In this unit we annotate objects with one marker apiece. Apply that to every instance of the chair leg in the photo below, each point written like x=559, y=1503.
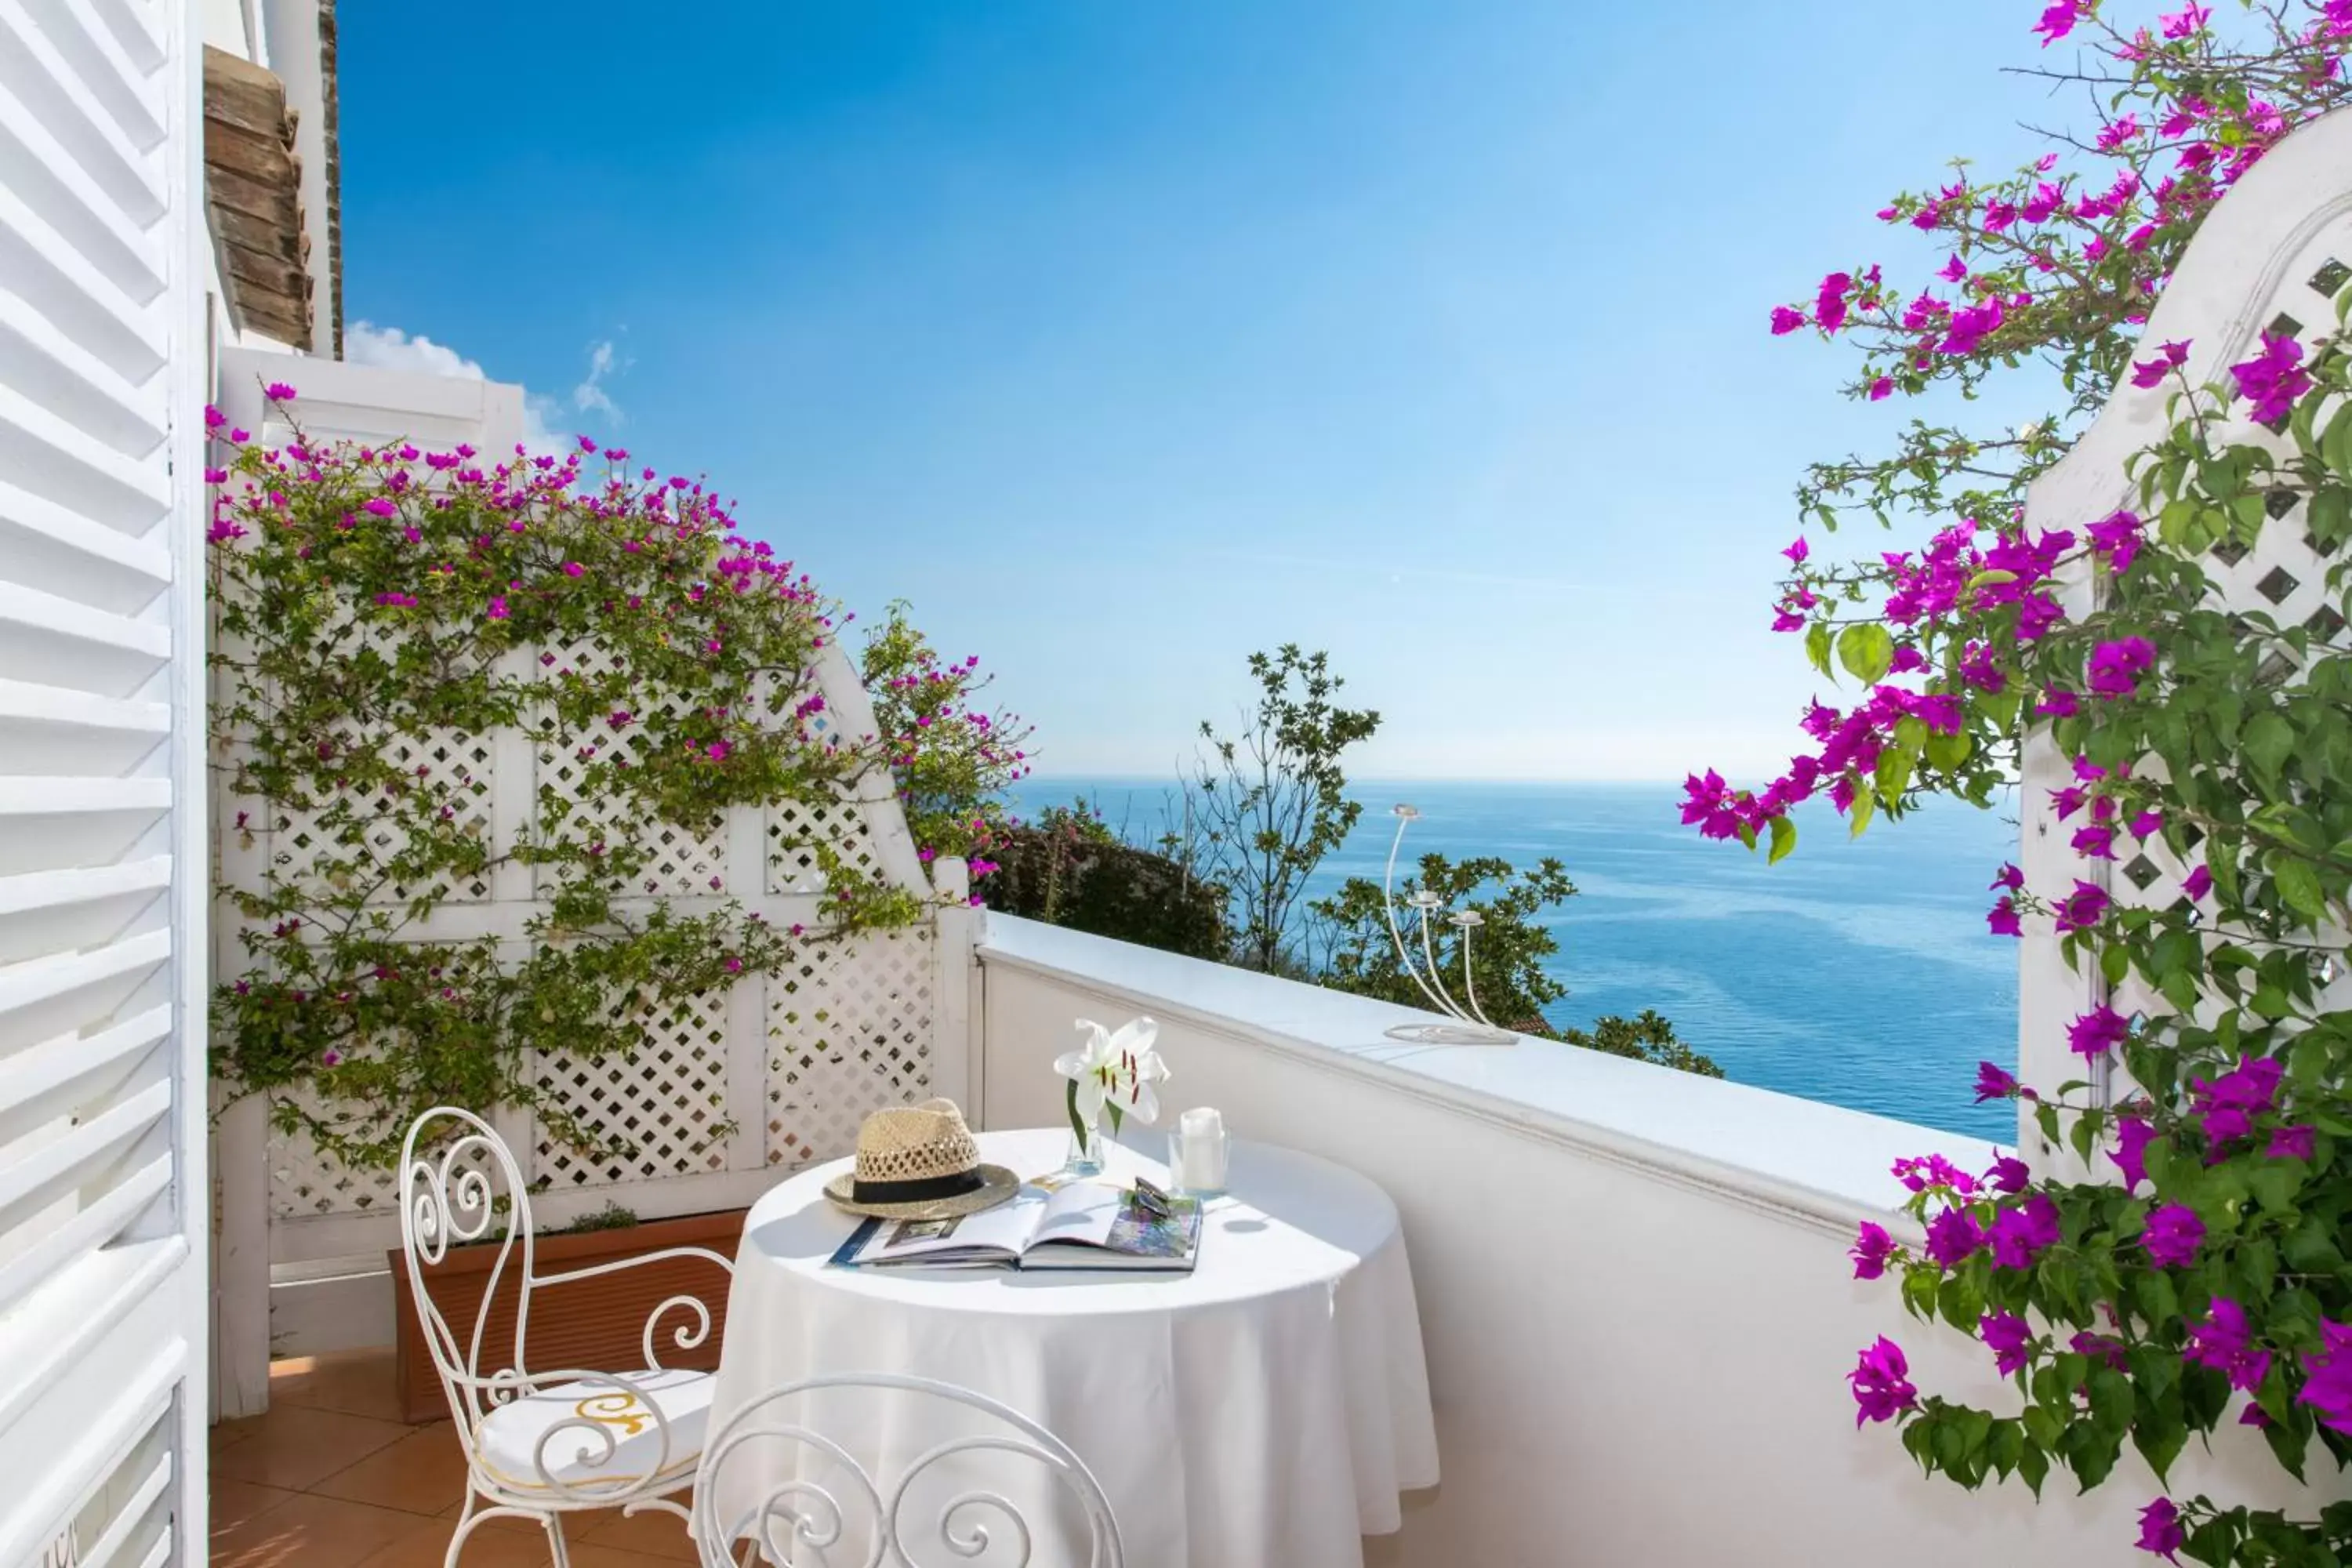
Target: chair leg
x=557, y=1551
x=465, y=1522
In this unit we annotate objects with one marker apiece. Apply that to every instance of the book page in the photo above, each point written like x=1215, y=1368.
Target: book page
x=1082, y=1212
x=1005, y=1229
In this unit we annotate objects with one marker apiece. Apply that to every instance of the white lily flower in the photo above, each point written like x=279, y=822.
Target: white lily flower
x=1115, y=1072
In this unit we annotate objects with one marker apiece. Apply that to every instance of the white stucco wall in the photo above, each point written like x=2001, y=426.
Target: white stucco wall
x=1633, y=1287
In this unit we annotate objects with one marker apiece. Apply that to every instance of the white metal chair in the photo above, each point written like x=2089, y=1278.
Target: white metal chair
x=540, y=1443
x=791, y=1521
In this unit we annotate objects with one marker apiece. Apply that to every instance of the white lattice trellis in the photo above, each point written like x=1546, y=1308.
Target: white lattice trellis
x=725, y=1087
x=662, y=1108
x=849, y=1032
x=2274, y=257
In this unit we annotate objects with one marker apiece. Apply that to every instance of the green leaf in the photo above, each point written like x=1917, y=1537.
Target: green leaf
x=1893, y=774
x=1867, y=651
x=1864, y=806
x=2298, y=884
x=1948, y=752
x=1961, y=1301
x=2032, y=1466
x=2267, y=741
x=1817, y=648
x=1784, y=838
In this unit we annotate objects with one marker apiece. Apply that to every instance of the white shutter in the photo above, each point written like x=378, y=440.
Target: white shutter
x=102, y=852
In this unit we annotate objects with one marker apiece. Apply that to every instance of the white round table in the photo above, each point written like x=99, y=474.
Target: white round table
x=1265, y=1409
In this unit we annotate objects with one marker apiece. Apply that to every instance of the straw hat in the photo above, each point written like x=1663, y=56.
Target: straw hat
x=918, y=1161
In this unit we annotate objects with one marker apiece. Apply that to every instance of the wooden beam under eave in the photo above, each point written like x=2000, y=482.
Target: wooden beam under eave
x=262, y=235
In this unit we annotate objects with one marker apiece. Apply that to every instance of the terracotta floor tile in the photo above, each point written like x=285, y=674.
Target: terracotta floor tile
x=234, y=1502
x=297, y=1447
x=655, y=1534
x=315, y=1532
x=423, y=1472
x=228, y=1434
x=579, y=1521
x=589, y=1556
x=357, y=1383
x=485, y=1548
x=495, y=1546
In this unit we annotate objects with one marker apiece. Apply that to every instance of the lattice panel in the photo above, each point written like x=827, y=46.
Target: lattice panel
x=796, y=829
x=306, y=1184
x=2285, y=575
x=450, y=767
x=849, y=1030
x=662, y=1107
x=686, y=861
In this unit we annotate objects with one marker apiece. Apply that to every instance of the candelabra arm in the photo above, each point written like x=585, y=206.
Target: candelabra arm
x=1388, y=908
x=1470, y=985
x=1437, y=978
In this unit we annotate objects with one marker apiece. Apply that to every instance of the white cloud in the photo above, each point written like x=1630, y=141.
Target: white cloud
x=389, y=348
x=589, y=395
x=543, y=415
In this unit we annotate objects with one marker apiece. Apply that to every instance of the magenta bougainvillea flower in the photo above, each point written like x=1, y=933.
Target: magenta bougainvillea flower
x=1952, y=1235
x=1881, y=1383
x=2118, y=536
x=2011, y=1340
x=2327, y=1377
x=1871, y=1250
x=2083, y=908
x=2160, y=1530
x=2297, y=1143
x=2173, y=1235
x=2133, y=1135
x=2097, y=1032
x=2224, y=1107
x=2223, y=1340
x=2058, y=20
x=2009, y=1174
x=2273, y=379
x=1993, y=1082
x=1933, y=1171
x=2115, y=667
x=2169, y=357
x=2022, y=1233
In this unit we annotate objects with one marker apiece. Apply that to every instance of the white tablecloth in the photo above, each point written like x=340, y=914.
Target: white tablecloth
x=1262, y=1412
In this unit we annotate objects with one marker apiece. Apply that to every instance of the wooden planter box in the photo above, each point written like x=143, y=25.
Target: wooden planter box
x=596, y=1325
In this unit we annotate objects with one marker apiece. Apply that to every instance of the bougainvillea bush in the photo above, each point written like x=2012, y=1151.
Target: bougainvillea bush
x=382, y=611
x=2199, y=1275
x=952, y=758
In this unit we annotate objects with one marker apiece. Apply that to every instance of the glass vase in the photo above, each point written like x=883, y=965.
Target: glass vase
x=1085, y=1155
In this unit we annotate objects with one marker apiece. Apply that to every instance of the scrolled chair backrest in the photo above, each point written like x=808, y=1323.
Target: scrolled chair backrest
x=751, y=1487
x=460, y=1185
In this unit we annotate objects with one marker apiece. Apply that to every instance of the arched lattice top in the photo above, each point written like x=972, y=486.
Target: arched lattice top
x=2276, y=257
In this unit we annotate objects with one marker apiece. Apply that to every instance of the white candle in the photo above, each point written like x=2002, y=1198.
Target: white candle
x=1200, y=1151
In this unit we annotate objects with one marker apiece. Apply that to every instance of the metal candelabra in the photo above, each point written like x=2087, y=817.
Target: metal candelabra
x=1470, y=1025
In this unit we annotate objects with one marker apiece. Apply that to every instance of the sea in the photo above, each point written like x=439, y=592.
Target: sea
x=1857, y=972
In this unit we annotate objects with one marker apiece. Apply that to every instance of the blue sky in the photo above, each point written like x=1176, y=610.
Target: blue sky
x=1124, y=338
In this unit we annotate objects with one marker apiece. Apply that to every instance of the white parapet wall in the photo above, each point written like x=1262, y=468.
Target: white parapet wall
x=1633, y=1287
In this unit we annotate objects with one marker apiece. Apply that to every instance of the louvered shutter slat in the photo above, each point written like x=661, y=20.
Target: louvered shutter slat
x=103, y=863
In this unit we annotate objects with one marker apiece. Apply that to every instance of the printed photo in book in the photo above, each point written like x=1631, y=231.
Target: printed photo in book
x=1081, y=1225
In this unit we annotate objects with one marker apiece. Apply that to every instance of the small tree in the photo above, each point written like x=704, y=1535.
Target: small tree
x=1506, y=974
x=1269, y=802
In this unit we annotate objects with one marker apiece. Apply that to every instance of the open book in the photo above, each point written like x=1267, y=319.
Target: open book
x=1084, y=1225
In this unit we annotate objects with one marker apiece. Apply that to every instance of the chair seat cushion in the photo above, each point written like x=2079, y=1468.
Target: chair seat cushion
x=506, y=1443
